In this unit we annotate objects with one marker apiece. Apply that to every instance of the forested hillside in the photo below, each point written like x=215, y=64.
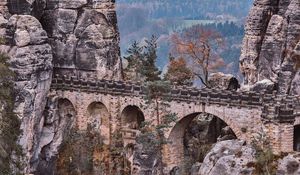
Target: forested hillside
x=193, y=9
x=139, y=19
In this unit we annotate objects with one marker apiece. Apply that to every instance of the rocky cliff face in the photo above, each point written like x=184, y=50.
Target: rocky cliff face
x=84, y=38
x=31, y=60
x=43, y=37
x=271, y=45
x=83, y=34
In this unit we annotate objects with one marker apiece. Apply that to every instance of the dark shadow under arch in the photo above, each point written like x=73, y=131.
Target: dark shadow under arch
x=63, y=124
x=178, y=130
x=132, y=117
x=297, y=137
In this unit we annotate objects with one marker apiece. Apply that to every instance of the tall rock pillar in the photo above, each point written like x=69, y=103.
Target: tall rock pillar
x=271, y=45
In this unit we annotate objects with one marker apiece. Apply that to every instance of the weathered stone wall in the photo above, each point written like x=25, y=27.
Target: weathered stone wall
x=245, y=121
x=246, y=113
x=271, y=45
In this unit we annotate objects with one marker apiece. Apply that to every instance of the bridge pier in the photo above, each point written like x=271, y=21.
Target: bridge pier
x=281, y=136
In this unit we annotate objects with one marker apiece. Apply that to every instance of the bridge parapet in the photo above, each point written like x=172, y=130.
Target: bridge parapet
x=281, y=108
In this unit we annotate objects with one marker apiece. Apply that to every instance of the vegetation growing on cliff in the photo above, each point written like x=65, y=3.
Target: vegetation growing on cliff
x=9, y=122
x=83, y=153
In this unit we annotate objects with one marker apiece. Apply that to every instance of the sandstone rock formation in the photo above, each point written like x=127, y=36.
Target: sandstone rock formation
x=27, y=7
x=59, y=118
x=146, y=155
x=78, y=37
x=83, y=34
x=84, y=37
x=227, y=158
x=233, y=157
x=31, y=60
x=4, y=9
x=271, y=45
x=263, y=85
x=289, y=165
x=223, y=81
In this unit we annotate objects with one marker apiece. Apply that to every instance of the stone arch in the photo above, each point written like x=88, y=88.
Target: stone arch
x=132, y=117
x=175, y=148
x=230, y=117
x=98, y=120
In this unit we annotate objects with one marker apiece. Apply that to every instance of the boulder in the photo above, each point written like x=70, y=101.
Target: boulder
x=289, y=165
x=223, y=81
x=227, y=158
x=265, y=85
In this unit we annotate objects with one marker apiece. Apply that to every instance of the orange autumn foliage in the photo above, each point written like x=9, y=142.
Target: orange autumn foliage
x=178, y=72
x=198, y=46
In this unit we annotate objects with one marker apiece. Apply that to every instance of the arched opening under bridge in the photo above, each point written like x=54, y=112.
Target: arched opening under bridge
x=297, y=137
x=193, y=136
x=132, y=117
x=98, y=120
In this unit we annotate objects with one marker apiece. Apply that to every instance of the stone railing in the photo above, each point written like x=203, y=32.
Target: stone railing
x=274, y=106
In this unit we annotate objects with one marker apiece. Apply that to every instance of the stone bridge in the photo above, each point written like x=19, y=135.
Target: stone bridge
x=116, y=105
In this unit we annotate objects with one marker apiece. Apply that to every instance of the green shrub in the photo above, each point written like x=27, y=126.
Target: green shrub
x=80, y=152
x=266, y=160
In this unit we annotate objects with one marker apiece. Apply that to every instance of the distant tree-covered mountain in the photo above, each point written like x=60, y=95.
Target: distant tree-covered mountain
x=139, y=19
x=193, y=8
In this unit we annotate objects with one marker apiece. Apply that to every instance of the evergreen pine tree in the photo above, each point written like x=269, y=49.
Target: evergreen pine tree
x=135, y=61
x=149, y=69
